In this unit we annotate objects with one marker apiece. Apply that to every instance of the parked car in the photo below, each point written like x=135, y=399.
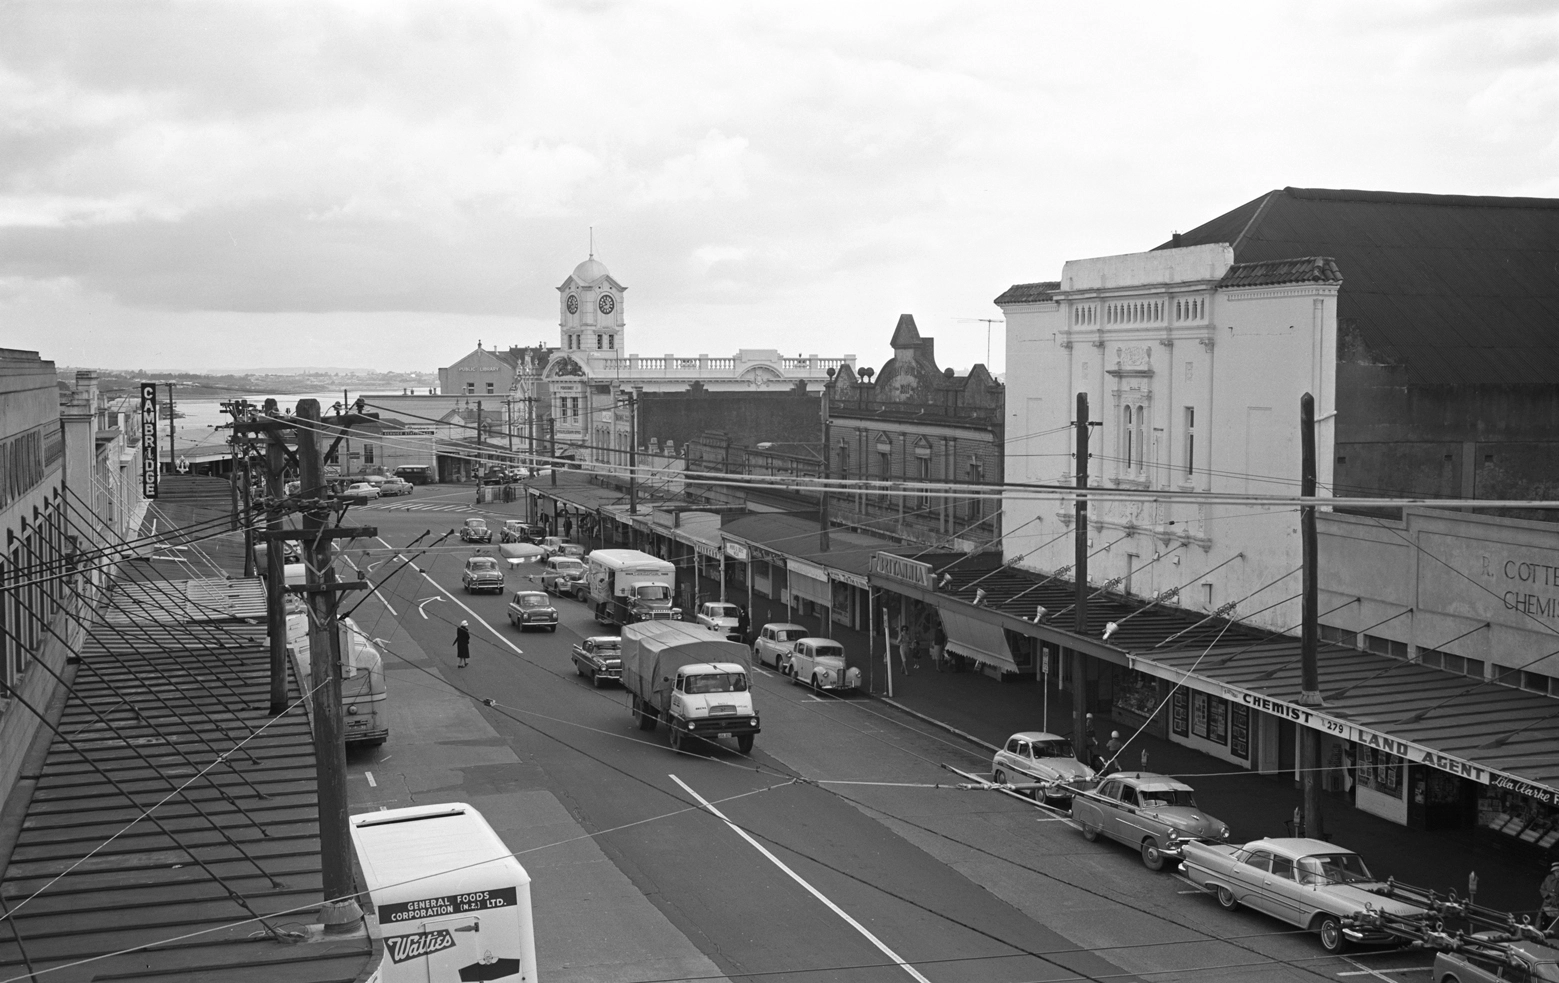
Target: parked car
x=482, y=573
x=1036, y=756
x=476, y=531
x=532, y=609
x=360, y=490
x=514, y=531
x=557, y=544
x=774, y=642
x=819, y=662
x=1153, y=814
x=1309, y=883
x=721, y=618
x=394, y=486
x=1499, y=961
x=563, y=575
x=600, y=657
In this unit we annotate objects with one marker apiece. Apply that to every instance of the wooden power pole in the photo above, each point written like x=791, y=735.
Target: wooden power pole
x=1080, y=604
x=1309, y=671
x=275, y=569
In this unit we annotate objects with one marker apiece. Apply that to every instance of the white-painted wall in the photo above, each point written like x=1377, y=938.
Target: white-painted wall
x=1154, y=331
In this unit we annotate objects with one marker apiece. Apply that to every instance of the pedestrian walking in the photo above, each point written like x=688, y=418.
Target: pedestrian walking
x=904, y=647
x=568, y=528
x=938, y=647
x=1112, y=750
x=1090, y=742
x=1550, y=892
x=743, y=623
x=463, y=643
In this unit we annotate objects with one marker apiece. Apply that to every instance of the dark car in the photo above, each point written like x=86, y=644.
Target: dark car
x=532, y=609
x=417, y=474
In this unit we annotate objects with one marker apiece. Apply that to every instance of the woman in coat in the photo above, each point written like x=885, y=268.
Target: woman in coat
x=463, y=643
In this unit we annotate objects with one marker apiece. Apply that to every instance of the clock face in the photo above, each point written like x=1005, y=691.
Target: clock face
x=573, y=304
x=606, y=304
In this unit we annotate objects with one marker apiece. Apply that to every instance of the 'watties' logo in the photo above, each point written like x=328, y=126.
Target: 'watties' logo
x=404, y=947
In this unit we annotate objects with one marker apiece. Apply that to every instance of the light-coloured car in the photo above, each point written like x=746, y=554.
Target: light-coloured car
x=600, y=657
x=774, y=642
x=482, y=573
x=514, y=531
x=390, y=487
x=820, y=663
x=1498, y=958
x=475, y=531
x=721, y=618
x=1309, y=883
x=1153, y=814
x=563, y=576
x=1034, y=756
x=558, y=546
x=532, y=609
x=361, y=490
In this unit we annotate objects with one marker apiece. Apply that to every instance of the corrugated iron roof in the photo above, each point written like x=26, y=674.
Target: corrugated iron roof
x=1029, y=293
x=1457, y=289
x=170, y=720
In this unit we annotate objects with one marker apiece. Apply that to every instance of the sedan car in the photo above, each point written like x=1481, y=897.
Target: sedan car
x=532, y=609
x=1037, y=757
x=1154, y=814
x=600, y=658
x=1484, y=961
x=555, y=545
x=819, y=662
x=360, y=490
x=1309, y=883
x=476, y=531
x=514, y=531
x=482, y=573
x=721, y=618
x=774, y=643
x=563, y=575
x=394, y=486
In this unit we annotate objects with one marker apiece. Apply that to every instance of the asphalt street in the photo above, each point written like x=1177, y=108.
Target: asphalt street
x=841, y=849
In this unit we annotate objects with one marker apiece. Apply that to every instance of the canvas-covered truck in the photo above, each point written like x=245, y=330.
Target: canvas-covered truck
x=451, y=901
x=698, y=684
x=627, y=586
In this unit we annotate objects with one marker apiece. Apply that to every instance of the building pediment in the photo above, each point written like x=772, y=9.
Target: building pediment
x=564, y=366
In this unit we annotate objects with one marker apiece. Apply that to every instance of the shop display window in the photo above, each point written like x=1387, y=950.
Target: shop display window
x=1380, y=771
x=1136, y=692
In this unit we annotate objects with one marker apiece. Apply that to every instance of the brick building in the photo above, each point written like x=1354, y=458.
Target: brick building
x=913, y=422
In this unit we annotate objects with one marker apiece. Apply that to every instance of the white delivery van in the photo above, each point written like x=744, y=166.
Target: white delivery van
x=452, y=902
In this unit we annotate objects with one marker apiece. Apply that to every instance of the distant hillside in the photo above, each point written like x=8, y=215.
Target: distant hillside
x=198, y=384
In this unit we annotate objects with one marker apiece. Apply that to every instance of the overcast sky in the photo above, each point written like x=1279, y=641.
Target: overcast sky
x=220, y=184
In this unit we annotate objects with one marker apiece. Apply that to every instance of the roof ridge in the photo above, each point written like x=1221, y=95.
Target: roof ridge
x=1261, y=210
x=1419, y=198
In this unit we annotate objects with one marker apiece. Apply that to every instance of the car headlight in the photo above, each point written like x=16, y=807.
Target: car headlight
x=754, y=721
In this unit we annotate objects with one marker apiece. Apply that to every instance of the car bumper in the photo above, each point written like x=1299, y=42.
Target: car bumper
x=496, y=588
x=604, y=672
x=538, y=622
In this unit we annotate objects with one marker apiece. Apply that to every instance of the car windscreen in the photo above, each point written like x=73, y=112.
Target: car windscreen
x=606, y=648
x=718, y=682
x=476, y=524
x=829, y=651
x=483, y=565
x=1333, y=868
x=531, y=600
x=722, y=611
x=1054, y=749
x=568, y=566
x=1164, y=797
x=652, y=592
x=1547, y=972
x=790, y=634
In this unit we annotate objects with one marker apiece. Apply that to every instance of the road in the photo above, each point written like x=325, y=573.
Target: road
x=846, y=850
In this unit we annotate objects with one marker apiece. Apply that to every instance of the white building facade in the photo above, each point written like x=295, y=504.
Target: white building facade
x=591, y=379
x=1194, y=368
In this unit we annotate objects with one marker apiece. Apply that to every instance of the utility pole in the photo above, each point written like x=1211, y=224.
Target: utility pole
x=633, y=450
x=1080, y=603
x=173, y=456
x=552, y=445
x=275, y=569
x=1309, y=671
x=340, y=910
x=822, y=508
x=248, y=496
x=508, y=409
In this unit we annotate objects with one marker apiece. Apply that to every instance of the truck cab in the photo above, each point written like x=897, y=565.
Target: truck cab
x=712, y=700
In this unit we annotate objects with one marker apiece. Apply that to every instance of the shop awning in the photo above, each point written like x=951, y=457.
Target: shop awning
x=975, y=639
x=1490, y=734
x=809, y=581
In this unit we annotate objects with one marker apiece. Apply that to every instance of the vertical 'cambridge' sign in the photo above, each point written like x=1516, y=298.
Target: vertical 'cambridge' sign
x=149, y=439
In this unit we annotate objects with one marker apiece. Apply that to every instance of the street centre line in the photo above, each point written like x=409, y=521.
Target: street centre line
x=438, y=587
x=912, y=971
x=370, y=776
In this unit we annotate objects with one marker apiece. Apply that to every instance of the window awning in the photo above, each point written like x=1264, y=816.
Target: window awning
x=975, y=639
x=809, y=581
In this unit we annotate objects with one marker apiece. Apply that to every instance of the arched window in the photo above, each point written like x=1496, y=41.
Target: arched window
x=1126, y=432
x=1142, y=438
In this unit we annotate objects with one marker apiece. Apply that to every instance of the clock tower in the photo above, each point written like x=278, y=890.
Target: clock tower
x=590, y=311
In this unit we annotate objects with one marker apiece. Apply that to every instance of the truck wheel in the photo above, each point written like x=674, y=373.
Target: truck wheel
x=646, y=722
x=744, y=743
x=676, y=738
x=1152, y=856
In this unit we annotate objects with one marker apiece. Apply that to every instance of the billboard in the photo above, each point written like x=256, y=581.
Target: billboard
x=149, y=439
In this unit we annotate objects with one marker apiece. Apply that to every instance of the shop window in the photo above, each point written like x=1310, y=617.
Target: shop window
x=368, y=453
x=1377, y=770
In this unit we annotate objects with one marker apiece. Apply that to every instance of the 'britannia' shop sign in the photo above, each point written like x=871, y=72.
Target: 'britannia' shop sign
x=902, y=569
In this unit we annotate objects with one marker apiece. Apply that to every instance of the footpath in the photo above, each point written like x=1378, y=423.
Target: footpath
x=987, y=711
